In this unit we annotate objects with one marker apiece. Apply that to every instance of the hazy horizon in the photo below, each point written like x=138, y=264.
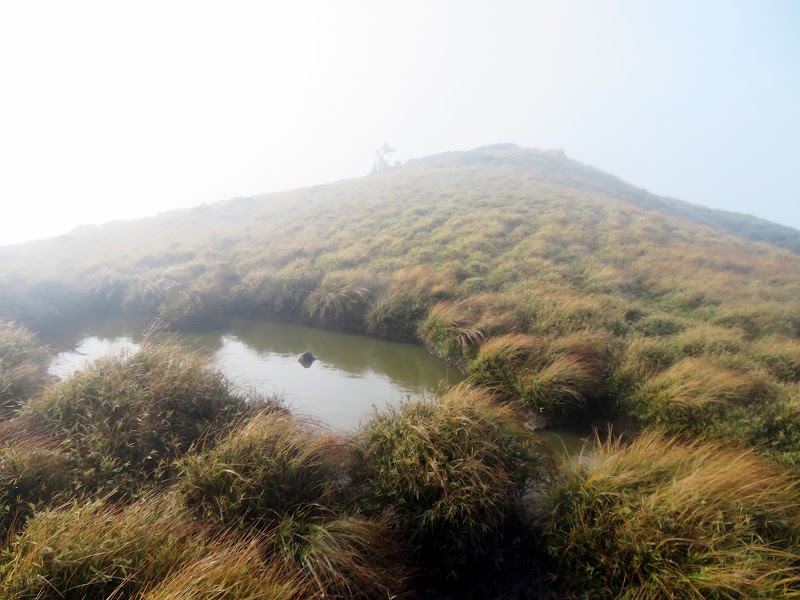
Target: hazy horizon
x=121, y=112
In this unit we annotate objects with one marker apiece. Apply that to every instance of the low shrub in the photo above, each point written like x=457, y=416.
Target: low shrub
x=450, y=472
x=657, y=518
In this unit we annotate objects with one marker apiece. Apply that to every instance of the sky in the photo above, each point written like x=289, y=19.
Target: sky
x=119, y=110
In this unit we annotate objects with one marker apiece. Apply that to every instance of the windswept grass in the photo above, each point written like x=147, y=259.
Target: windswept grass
x=278, y=475
x=23, y=366
x=147, y=549
x=693, y=392
x=273, y=467
x=128, y=417
x=453, y=331
x=34, y=473
x=234, y=571
x=659, y=518
x=554, y=377
x=781, y=357
x=450, y=473
x=342, y=299
x=562, y=290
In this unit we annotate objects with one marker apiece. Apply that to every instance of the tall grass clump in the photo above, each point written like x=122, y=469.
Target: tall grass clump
x=101, y=551
x=693, y=393
x=274, y=466
x=23, y=366
x=129, y=416
x=236, y=571
x=397, y=313
x=34, y=473
x=279, y=292
x=781, y=357
x=280, y=476
x=342, y=299
x=450, y=472
x=554, y=377
x=451, y=332
x=658, y=518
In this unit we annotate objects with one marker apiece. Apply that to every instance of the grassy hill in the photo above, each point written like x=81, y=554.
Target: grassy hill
x=559, y=290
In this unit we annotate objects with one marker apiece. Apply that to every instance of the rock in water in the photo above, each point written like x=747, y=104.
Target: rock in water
x=306, y=359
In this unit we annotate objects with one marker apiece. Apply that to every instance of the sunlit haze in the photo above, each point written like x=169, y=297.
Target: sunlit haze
x=122, y=110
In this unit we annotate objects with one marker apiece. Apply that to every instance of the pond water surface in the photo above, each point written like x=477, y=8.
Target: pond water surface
x=353, y=373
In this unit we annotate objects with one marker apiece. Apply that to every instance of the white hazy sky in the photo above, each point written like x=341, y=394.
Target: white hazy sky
x=114, y=110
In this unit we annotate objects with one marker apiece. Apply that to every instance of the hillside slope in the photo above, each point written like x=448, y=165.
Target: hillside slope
x=563, y=293
x=497, y=219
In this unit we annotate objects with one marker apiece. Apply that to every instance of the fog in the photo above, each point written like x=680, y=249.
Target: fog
x=116, y=111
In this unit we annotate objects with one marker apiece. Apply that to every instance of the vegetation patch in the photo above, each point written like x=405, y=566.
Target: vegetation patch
x=280, y=476
x=450, y=473
x=23, y=366
x=658, y=518
x=554, y=377
x=128, y=417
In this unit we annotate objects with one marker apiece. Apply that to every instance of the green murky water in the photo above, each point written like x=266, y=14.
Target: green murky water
x=353, y=373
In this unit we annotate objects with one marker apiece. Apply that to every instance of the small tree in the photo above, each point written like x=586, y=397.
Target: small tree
x=382, y=155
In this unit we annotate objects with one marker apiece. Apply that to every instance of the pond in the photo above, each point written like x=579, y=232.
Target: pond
x=353, y=373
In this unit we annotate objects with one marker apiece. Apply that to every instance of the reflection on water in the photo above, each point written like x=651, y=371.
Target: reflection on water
x=565, y=442
x=353, y=373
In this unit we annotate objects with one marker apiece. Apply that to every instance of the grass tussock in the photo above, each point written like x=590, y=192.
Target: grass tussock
x=693, y=392
x=554, y=377
x=23, y=366
x=275, y=466
x=781, y=357
x=100, y=551
x=450, y=473
x=451, y=331
x=35, y=472
x=234, y=571
x=280, y=476
x=128, y=417
x=342, y=299
x=658, y=518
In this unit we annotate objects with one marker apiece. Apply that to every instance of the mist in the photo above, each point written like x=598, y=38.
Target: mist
x=118, y=112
